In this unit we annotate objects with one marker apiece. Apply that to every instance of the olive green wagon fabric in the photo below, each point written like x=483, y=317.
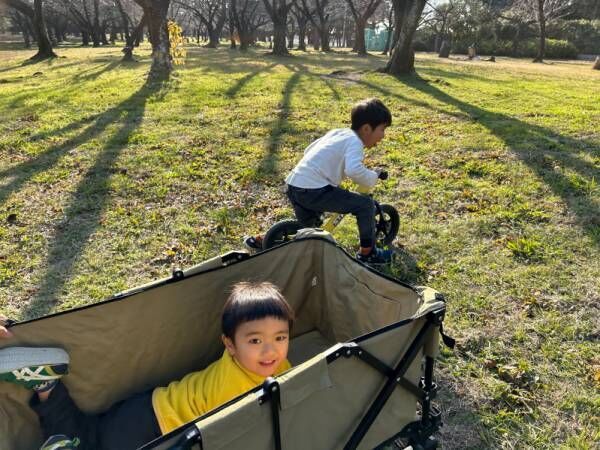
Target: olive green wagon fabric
x=158, y=334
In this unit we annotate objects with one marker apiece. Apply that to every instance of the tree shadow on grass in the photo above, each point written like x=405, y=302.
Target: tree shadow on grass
x=237, y=87
x=268, y=164
x=96, y=71
x=281, y=126
x=543, y=150
x=91, y=194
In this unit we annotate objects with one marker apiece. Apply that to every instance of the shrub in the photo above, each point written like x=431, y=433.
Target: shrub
x=559, y=49
x=420, y=46
x=555, y=48
x=584, y=34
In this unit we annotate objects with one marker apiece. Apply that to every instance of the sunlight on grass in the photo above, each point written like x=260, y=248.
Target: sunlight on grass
x=108, y=181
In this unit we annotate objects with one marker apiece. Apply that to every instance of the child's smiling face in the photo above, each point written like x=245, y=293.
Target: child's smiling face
x=260, y=346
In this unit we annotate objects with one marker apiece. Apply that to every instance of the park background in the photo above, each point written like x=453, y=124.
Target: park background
x=118, y=166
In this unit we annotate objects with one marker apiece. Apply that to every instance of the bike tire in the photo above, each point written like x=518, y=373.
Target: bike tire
x=388, y=225
x=281, y=232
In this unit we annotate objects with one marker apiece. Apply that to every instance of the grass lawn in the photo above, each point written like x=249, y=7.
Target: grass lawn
x=107, y=182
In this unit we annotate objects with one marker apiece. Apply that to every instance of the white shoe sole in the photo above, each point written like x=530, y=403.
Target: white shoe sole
x=14, y=358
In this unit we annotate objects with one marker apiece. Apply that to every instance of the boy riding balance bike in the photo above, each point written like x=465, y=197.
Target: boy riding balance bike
x=313, y=185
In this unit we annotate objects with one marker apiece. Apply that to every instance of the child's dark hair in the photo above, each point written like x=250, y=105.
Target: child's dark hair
x=253, y=301
x=372, y=112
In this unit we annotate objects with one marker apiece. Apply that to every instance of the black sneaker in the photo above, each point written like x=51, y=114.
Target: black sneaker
x=253, y=243
x=33, y=368
x=60, y=442
x=376, y=257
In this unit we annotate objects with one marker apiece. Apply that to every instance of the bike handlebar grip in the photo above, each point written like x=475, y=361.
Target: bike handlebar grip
x=383, y=175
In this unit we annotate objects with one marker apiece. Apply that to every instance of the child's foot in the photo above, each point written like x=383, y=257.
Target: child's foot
x=376, y=257
x=34, y=368
x=60, y=442
x=253, y=243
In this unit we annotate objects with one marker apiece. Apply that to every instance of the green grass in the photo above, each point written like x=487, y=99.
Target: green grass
x=107, y=182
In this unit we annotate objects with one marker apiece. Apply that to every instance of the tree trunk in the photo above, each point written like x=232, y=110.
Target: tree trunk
x=113, y=34
x=124, y=23
x=213, y=38
x=279, y=31
x=324, y=36
x=278, y=11
x=103, y=39
x=44, y=46
x=444, y=49
x=156, y=18
x=302, y=36
x=26, y=38
x=408, y=13
x=388, y=41
x=542, y=24
x=315, y=40
x=232, y=43
x=58, y=35
x=290, y=36
x=359, y=43
x=23, y=23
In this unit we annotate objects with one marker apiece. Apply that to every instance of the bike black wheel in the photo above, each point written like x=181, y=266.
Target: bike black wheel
x=280, y=233
x=388, y=223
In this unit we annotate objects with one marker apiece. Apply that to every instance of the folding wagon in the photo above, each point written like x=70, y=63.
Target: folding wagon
x=362, y=349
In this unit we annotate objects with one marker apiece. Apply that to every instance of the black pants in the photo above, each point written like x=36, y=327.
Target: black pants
x=127, y=425
x=309, y=204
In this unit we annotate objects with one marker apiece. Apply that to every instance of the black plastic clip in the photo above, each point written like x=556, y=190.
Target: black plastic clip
x=190, y=437
x=178, y=274
x=234, y=257
x=437, y=317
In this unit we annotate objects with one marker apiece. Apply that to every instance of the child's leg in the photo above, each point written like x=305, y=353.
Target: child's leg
x=130, y=423
x=60, y=415
x=307, y=216
x=126, y=425
x=334, y=199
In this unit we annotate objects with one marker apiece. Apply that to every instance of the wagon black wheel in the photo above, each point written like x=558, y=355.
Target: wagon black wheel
x=388, y=223
x=281, y=232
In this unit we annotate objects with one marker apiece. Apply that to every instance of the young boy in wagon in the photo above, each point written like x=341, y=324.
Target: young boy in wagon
x=256, y=325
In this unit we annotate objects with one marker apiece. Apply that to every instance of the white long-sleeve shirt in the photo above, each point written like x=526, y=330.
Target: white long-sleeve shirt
x=330, y=159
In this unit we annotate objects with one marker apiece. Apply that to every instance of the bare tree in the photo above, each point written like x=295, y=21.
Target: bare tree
x=302, y=20
x=388, y=16
x=155, y=12
x=362, y=10
x=36, y=15
x=438, y=21
x=247, y=17
x=407, y=16
x=278, y=12
x=543, y=12
x=22, y=22
x=319, y=14
x=212, y=14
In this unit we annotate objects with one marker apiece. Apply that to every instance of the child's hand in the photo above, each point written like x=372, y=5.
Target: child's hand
x=4, y=333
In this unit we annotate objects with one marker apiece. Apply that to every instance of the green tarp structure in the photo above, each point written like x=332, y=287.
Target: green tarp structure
x=375, y=39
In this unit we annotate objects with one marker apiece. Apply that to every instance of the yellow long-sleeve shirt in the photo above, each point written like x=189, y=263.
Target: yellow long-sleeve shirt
x=199, y=392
